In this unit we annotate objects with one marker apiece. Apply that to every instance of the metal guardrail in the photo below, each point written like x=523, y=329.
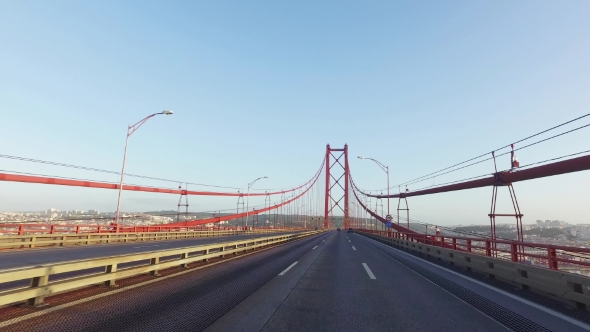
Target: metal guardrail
x=41, y=285
x=572, y=288
x=554, y=257
x=44, y=240
x=36, y=228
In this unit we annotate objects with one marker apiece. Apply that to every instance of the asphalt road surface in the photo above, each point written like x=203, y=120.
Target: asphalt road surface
x=334, y=281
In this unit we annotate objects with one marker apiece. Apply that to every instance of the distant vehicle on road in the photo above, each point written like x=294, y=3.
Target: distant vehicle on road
x=338, y=229
x=350, y=230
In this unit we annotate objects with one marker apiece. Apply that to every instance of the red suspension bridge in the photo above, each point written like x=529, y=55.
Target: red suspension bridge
x=294, y=250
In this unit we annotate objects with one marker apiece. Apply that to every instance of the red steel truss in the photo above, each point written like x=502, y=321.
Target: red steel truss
x=331, y=181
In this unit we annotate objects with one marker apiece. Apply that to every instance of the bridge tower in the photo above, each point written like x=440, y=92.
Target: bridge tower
x=337, y=173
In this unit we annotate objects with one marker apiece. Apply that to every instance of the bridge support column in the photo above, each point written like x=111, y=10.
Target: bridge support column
x=331, y=200
x=499, y=182
x=182, y=194
x=184, y=256
x=552, y=253
x=154, y=261
x=37, y=282
x=111, y=269
x=407, y=209
x=327, y=199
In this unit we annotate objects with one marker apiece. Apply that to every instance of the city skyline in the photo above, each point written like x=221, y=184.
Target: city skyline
x=539, y=222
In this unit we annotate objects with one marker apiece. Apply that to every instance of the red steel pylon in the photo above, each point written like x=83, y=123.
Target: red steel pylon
x=498, y=182
x=342, y=181
x=407, y=209
x=182, y=194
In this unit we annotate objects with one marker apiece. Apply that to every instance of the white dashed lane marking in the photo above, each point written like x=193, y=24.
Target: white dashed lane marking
x=287, y=269
x=371, y=275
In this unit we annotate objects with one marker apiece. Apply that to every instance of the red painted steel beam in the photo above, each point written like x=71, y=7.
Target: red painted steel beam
x=561, y=167
x=346, y=182
x=327, y=197
x=93, y=184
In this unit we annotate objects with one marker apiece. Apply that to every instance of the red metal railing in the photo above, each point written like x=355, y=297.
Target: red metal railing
x=554, y=257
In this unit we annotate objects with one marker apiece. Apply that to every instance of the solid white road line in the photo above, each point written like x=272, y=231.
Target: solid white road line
x=348, y=240
x=287, y=269
x=353, y=248
x=314, y=247
x=371, y=275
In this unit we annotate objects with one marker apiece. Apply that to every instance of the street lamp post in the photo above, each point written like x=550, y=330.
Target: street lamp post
x=248, y=195
x=386, y=170
x=131, y=130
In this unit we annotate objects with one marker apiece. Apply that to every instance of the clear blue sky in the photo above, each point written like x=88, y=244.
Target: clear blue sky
x=260, y=87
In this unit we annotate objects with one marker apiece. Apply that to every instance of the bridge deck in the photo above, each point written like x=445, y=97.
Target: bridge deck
x=333, y=287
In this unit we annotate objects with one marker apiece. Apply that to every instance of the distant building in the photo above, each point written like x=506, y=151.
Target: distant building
x=582, y=235
x=93, y=212
x=550, y=224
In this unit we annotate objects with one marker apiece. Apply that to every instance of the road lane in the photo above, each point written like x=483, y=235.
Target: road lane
x=253, y=313
x=296, y=288
x=508, y=307
x=336, y=294
x=188, y=302
x=14, y=259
